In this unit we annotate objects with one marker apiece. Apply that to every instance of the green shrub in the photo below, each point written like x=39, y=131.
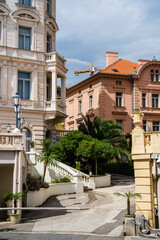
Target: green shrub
x=62, y=180
x=55, y=181
x=122, y=168
x=35, y=183
x=65, y=179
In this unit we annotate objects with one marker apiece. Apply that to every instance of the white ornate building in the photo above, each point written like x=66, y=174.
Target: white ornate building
x=30, y=65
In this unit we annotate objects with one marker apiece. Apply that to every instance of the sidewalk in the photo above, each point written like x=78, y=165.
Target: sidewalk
x=104, y=215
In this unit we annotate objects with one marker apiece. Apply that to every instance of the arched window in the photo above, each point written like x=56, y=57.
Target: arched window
x=28, y=138
x=152, y=75
x=49, y=135
x=157, y=75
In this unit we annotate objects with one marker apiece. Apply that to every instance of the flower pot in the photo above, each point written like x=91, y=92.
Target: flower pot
x=15, y=218
x=9, y=204
x=90, y=173
x=32, y=150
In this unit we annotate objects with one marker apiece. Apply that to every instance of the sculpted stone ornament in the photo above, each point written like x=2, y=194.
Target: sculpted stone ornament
x=137, y=117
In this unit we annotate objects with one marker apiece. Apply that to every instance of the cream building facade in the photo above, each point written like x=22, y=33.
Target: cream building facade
x=31, y=66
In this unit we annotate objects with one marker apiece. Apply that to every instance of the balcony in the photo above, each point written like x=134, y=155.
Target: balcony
x=11, y=142
x=54, y=110
x=55, y=57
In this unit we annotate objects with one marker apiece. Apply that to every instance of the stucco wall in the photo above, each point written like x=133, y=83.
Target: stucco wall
x=36, y=198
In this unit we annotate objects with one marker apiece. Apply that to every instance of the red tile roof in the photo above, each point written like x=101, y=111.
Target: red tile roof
x=122, y=66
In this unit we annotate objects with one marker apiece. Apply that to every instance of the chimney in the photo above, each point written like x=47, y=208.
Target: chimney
x=142, y=61
x=111, y=57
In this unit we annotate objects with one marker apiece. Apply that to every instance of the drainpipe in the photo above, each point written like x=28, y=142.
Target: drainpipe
x=132, y=85
x=158, y=188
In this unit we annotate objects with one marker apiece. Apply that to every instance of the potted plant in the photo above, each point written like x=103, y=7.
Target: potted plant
x=90, y=170
x=32, y=145
x=128, y=196
x=16, y=217
x=8, y=197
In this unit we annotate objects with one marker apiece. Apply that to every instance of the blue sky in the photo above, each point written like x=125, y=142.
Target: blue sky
x=89, y=28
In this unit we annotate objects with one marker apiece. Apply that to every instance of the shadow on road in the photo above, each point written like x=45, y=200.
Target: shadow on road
x=38, y=214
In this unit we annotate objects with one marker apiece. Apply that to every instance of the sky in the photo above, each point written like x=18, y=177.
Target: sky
x=90, y=28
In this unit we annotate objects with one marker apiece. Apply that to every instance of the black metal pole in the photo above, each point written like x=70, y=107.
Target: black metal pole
x=16, y=117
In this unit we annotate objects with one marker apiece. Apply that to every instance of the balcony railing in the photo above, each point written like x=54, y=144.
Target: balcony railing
x=10, y=140
x=55, y=57
x=152, y=142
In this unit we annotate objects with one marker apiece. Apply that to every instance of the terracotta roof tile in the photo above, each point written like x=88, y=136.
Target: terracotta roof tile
x=121, y=67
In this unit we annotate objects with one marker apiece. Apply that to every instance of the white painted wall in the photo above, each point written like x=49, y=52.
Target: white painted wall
x=37, y=198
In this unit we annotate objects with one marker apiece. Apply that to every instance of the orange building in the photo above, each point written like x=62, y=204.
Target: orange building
x=116, y=91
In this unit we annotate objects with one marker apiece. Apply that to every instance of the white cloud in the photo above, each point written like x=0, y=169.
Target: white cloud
x=89, y=28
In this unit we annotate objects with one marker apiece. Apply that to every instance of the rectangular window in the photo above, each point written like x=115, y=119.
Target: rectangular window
x=80, y=106
x=90, y=102
x=48, y=89
x=155, y=126
x=152, y=75
x=49, y=43
x=25, y=38
x=145, y=126
x=119, y=82
x=24, y=82
x=157, y=75
x=26, y=2
x=49, y=6
x=118, y=99
x=144, y=100
x=155, y=100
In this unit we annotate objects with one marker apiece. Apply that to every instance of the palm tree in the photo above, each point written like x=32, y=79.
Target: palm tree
x=108, y=130
x=128, y=196
x=46, y=155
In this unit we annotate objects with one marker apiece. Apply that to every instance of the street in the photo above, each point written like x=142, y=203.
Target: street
x=102, y=219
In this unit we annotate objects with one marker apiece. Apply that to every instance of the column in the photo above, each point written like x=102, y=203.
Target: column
x=19, y=177
x=63, y=90
x=54, y=90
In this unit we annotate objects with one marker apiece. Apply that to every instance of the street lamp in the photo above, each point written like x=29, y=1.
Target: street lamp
x=8, y=128
x=19, y=118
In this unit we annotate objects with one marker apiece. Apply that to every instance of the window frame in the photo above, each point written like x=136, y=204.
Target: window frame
x=144, y=100
x=24, y=80
x=49, y=43
x=156, y=124
x=155, y=101
x=152, y=75
x=23, y=2
x=48, y=89
x=119, y=99
x=145, y=125
x=25, y=36
x=28, y=139
x=80, y=106
x=157, y=75
x=90, y=102
x=49, y=6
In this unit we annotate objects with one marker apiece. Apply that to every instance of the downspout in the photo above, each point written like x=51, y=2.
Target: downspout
x=158, y=188
x=132, y=85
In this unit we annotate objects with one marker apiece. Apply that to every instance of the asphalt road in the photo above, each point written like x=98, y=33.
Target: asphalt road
x=21, y=236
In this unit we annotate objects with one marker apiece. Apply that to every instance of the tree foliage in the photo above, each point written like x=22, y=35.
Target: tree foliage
x=46, y=156
x=96, y=141
x=107, y=130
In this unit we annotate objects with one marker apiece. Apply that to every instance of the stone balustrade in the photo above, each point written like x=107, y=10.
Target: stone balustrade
x=10, y=140
x=54, y=56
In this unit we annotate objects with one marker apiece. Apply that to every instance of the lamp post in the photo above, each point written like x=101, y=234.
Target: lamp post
x=19, y=118
x=8, y=128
